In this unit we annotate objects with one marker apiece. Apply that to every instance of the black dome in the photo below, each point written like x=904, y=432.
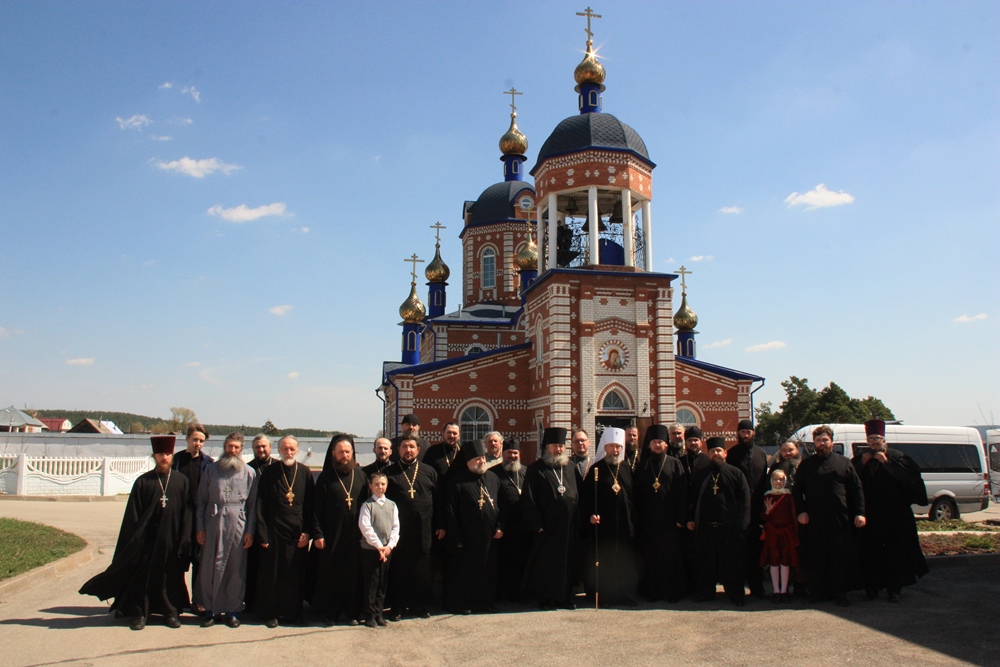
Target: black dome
x=497, y=202
x=591, y=130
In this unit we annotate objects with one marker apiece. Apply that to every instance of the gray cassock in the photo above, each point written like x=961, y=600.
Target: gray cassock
x=226, y=511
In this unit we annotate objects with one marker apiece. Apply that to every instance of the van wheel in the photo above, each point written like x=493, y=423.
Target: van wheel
x=943, y=509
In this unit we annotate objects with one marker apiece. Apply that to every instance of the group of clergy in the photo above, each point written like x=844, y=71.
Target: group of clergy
x=663, y=519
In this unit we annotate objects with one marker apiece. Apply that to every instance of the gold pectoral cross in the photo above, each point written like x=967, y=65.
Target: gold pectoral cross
x=163, y=500
x=412, y=492
x=616, y=487
x=715, y=485
x=290, y=497
x=348, y=502
x=482, y=501
x=656, y=484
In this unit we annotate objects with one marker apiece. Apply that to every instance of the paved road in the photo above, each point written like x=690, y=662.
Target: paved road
x=949, y=618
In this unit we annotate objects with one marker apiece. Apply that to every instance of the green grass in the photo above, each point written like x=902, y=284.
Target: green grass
x=952, y=525
x=25, y=546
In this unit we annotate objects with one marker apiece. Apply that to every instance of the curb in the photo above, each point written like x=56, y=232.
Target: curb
x=53, y=570
x=122, y=497
x=962, y=560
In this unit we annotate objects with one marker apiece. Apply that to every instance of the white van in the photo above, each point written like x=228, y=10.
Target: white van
x=993, y=449
x=951, y=461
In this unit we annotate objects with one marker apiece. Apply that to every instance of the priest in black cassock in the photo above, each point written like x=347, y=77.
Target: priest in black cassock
x=261, y=460
x=831, y=505
x=516, y=541
x=660, y=499
x=191, y=462
x=474, y=525
x=284, y=526
x=693, y=461
x=412, y=486
x=383, y=457
x=411, y=427
x=336, y=549
x=889, y=547
x=752, y=460
x=719, y=521
x=606, y=506
x=146, y=575
x=550, y=511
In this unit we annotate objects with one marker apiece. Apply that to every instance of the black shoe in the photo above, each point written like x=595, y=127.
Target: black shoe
x=232, y=621
x=740, y=603
x=138, y=623
x=629, y=602
x=759, y=594
x=776, y=598
x=894, y=598
x=172, y=622
x=272, y=623
x=395, y=617
x=422, y=613
x=208, y=622
x=381, y=622
x=703, y=597
x=570, y=605
x=353, y=622
x=842, y=601
x=370, y=623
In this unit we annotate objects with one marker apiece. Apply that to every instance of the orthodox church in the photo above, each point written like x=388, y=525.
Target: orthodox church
x=561, y=320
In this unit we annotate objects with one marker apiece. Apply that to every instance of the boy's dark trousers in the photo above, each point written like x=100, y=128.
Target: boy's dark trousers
x=374, y=579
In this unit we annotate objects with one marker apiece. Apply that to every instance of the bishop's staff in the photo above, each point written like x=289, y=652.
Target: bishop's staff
x=597, y=550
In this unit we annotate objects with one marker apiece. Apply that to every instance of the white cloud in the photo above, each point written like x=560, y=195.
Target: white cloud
x=701, y=258
x=192, y=364
x=294, y=375
x=304, y=230
x=243, y=214
x=166, y=85
x=161, y=137
x=773, y=345
x=181, y=121
x=731, y=210
x=80, y=362
x=208, y=376
x=818, y=197
x=135, y=122
x=198, y=168
x=193, y=92
x=962, y=319
x=280, y=311
x=718, y=343
x=7, y=333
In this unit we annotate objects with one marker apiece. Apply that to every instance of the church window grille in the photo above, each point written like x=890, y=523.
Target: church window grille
x=614, y=401
x=475, y=423
x=489, y=269
x=686, y=417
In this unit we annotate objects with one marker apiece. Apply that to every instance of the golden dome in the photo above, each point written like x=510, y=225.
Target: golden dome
x=437, y=271
x=412, y=310
x=685, y=319
x=527, y=259
x=589, y=70
x=513, y=142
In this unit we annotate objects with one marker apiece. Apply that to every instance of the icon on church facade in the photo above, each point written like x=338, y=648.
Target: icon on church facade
x=613, y=357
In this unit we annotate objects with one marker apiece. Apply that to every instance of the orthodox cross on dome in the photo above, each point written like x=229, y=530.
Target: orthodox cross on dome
x=437, y=227
x=512, y=92
x=590, y=15
x=683, y=272
x=413, y=259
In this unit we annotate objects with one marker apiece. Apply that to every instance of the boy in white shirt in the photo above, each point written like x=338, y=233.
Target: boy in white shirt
x=379, y=525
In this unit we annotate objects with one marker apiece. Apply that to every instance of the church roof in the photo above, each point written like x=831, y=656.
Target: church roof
x=591, y=130
x=419, y=369
x=730, y=373
x=497, y=203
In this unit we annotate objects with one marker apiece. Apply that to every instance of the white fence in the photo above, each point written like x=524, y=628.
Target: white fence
x=25, y=475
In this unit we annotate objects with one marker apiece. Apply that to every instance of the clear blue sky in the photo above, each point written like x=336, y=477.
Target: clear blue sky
x=208, y=204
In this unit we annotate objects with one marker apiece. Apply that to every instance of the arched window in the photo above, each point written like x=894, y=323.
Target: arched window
x=475, y=423
x=686, y=417
x=593, y=98
x=614, y=401
x=475, y=349
x=489, y=269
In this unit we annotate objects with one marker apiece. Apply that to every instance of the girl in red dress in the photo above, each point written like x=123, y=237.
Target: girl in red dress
x=780, y=535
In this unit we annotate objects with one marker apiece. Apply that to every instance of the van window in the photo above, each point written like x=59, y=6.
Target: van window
x=994, y=457
x=942, y=458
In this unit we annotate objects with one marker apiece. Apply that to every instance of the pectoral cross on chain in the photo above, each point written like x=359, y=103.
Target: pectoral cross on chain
x=715, y=485
x=482, y=501
x=348, y=502
x=163, y=500
x=412, y=492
